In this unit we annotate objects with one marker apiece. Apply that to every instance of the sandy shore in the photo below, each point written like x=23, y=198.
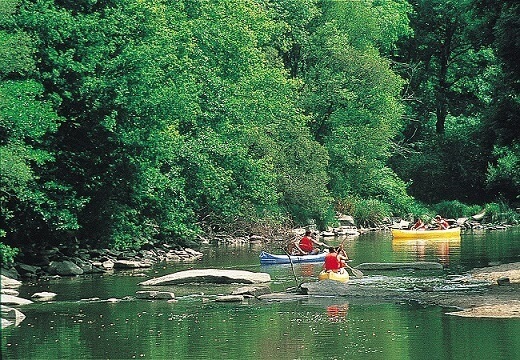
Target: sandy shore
x=498, y=301
x=494, y=301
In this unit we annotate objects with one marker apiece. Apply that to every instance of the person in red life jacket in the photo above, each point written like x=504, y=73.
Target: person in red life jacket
x=442, y=224
x=419, y=224
x=342, y=255
x=334, y=261
x=306, y=245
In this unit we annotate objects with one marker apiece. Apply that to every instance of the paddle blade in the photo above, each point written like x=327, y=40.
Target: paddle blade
x=357, y=273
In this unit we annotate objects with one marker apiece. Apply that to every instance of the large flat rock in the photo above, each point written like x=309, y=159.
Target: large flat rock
x=7, y=282
x=215, y=276
x=13, y=300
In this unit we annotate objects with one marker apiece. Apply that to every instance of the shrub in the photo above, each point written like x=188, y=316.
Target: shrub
x=8, y=254
x=371, y=212
x=455, y=209
x=501, y=213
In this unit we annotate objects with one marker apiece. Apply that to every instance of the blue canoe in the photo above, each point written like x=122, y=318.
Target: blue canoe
x=266, y=258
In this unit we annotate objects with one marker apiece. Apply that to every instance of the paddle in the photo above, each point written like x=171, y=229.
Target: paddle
x=292, y=267
x=357, y=273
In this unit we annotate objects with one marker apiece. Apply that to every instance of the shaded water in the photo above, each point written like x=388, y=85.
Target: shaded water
x=195, y=327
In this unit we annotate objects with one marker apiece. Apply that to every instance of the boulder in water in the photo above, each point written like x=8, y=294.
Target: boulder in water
x=216, y=276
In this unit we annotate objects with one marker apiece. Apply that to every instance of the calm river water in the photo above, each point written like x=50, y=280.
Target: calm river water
x=195, y=327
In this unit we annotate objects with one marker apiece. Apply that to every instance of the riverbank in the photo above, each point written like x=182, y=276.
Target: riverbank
x=499, y=301
x=62, y=262
x=489, y=298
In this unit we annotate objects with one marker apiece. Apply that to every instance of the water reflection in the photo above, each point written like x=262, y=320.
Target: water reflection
x=422, y=249
x=195, y=327
x=337, y=313
x=309, y=270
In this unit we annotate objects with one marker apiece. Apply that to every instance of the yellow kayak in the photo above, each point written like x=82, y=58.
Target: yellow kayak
x=425, y=234
x=341, y=276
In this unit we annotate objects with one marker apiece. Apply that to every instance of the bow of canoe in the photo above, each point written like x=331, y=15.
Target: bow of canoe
x=341, y=276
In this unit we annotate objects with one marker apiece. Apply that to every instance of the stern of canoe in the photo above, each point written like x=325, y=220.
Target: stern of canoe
x=341, y=276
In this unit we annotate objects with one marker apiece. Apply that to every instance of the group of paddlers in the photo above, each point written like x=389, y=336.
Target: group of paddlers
x=335, y=260
x=439, y=223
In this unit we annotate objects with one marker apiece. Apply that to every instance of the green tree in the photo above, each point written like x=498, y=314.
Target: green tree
x=352, y=95
x=176, y=118
x=499, y=21
x=32, y=201
x=450, y=72
x=442, y=62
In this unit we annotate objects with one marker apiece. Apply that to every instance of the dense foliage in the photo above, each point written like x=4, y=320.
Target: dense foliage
x=460, y=141
x=127, y=122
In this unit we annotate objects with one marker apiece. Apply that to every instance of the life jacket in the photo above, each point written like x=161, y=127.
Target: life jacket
x=332, y=262
x=306, y=244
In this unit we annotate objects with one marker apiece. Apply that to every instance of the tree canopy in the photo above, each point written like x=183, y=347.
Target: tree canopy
x=127, y=122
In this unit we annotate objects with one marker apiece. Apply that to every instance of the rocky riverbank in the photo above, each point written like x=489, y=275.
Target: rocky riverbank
x=61, y=262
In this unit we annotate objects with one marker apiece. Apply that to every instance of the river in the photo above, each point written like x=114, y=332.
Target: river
x=76, y=326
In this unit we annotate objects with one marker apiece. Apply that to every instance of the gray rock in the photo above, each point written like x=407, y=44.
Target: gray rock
x=173, y=257
x=146, y=294
x=10, y=273
x=12, y=314
x=216, y=276
x=229, y=298
x=13, y=300
x=7, y=282
x=86, y=267
x=64, y=268
x=254, y=291
x=165, y=295
x=27, y=270
x=43, y=296
x=6, y=323
x=127, y=264
x=152, y=295
x=108, y=264
x=10, y=292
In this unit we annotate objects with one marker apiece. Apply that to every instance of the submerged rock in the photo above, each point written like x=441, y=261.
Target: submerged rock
x=216, y=276
x=253, y=291
x=326, y=288
x=510, y=310
x=43, y=296
x=230, y=298
x=155, y=295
